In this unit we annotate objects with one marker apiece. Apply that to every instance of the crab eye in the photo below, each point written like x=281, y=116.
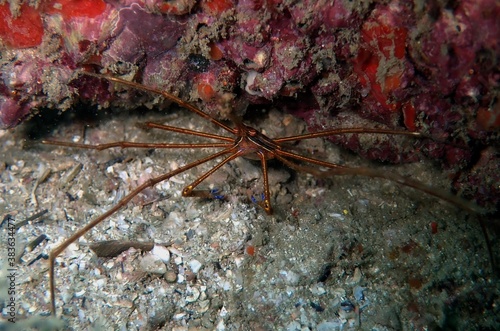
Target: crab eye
x=252, y=132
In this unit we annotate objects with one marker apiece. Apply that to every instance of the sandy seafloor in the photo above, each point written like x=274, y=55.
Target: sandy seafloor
x=348, y=253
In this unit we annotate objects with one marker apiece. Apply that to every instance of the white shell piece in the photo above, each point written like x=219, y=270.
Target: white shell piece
x=195, y=266
x=193, y=294
x=161, y=252
x=153, y=264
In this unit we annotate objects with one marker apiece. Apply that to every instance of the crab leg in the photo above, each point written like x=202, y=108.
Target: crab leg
x=128, y=144
x=348, y=130
x=336, y=170
x=122, y=203
x=166, y=95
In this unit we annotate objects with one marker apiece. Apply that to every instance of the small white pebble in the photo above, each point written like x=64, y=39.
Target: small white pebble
x=81, y=315
x=239, y=261
x=175, y=251
x=100, y=283
x=179, y=316
x=226, y=286
x=79, y=294
x=337, y=216
x=161, y=252
x=152, y=264
x=123, y=175
x=221, y=326
x=318, y=290
x=223, y=312
x=178, y=260
x=195, y=266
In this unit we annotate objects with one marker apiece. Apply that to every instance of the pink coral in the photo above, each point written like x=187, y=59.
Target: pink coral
x=425, y=68
x=139, y=34
x=14, y=111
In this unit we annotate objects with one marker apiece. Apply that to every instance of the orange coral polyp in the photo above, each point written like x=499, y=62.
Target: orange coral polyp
x=205, y=91
x=392, y=82
x=215, y=52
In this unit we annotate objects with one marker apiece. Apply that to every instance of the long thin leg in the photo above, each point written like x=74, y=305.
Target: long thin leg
x=151, y=182
x=187, y=131
x=299, y=157
x=189, y=191
x=348, y=130
x=336, y=170
x=266, y=204
x=127, y=144
x=166, y=95
x=392, y=176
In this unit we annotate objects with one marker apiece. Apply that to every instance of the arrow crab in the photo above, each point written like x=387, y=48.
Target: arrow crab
x=239, y=140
